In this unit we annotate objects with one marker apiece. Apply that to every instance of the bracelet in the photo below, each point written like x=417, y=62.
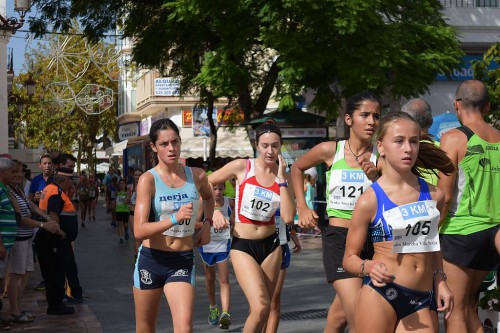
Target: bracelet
x=363, y=273
x=173, y=219
x=216, y=208
x=443, y=274
x=373, y=265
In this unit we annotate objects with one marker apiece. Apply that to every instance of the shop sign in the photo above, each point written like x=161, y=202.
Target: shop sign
x=187, y=118
x=231, y=117
x=465, y=72
x=320, y=132
x=167, y=86
x=128, y=131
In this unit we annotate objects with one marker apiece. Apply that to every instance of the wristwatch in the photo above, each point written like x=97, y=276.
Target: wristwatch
x=443, y=275
x=208, y=220
x=284, y=184
x=41, y=225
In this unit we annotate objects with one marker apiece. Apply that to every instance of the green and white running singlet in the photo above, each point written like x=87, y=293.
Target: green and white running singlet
x=475, y=205
x=345, y=184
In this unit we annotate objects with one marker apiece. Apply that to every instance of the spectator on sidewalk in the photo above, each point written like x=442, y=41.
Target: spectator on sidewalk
x=20, y=263
x=55, y=250
x=8, y=224
x=39, y=182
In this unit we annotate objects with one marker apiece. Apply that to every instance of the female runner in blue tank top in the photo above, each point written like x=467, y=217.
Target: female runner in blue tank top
x=262, y=187
x=400, y=213
x=351, y=169
x=164, y=218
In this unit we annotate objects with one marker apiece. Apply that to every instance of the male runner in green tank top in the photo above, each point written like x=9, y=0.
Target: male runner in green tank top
x=472, y=204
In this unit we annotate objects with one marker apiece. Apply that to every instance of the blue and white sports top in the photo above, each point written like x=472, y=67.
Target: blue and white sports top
x=168, y=200
x=412, y=227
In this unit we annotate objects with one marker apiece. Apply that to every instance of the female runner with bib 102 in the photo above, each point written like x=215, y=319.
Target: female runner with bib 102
x=351, y=170
x=262, y=187
x=169, y=193
x=400, y=213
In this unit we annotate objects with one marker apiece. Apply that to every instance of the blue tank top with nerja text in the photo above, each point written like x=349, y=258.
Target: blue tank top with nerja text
x=168, y=200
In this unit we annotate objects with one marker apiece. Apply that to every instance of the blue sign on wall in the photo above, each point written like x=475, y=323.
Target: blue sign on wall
x=465, y=72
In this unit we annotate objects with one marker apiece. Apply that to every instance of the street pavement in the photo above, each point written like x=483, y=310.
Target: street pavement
x=105, y=271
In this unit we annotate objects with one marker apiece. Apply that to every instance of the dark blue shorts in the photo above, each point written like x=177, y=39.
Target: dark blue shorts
x=404, y=301
x=285, y=256
x=155, y=268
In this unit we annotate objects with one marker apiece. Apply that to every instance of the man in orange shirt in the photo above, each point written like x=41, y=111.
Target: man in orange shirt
x=53, y=249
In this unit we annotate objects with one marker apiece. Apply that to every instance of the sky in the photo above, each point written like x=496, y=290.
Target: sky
x=18, y=40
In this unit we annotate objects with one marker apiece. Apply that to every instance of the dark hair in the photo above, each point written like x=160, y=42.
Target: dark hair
x=420, y=110
x=354, y=102
x=472, y=94
x=63, y=158
x=269, y=126
x=160, y=125
x=429, y=155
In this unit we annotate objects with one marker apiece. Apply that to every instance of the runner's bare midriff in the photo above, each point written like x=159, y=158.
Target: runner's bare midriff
x=253, y=231
x=339, y=222
x=168, y=243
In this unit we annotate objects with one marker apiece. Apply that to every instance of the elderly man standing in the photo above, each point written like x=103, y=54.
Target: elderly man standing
x=421, y=111
x=472, y=204
x=8, y=224
x=53, y=249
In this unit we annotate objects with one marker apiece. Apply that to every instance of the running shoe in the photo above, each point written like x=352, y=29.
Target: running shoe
x=127, y=236
x=121, y=240
x=225, y=321
x=213, y=315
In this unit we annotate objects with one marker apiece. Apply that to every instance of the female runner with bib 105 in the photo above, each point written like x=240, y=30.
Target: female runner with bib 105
x=169, y=193
x=400, y=213
x=262, y=187
x=351, y=169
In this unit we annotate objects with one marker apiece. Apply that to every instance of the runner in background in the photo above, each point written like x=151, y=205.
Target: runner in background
x=133, y=198
x=216, y=253
x=122, y=210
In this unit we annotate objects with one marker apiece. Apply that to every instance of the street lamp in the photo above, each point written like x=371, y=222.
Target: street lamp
x=30, y=85
x=12, y=23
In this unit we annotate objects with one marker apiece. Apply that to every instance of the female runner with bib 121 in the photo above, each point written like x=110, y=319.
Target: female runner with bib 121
x=400, y=213
x=351, y=169
x=262, y=187
x=164, y=219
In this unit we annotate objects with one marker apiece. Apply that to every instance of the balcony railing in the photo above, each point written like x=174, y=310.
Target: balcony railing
x=471, y=3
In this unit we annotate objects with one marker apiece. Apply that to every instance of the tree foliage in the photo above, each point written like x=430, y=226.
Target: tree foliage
x=48, y=122
x=250, y=49
x=491, y=77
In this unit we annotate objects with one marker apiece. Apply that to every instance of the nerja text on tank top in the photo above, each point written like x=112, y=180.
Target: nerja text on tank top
x=168, y=200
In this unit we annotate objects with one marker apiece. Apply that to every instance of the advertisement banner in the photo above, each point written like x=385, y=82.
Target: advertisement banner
x=167, y=86
x=200, y=121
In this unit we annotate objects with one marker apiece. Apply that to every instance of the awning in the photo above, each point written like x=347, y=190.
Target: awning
x=116, y=149
x=229, y=144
